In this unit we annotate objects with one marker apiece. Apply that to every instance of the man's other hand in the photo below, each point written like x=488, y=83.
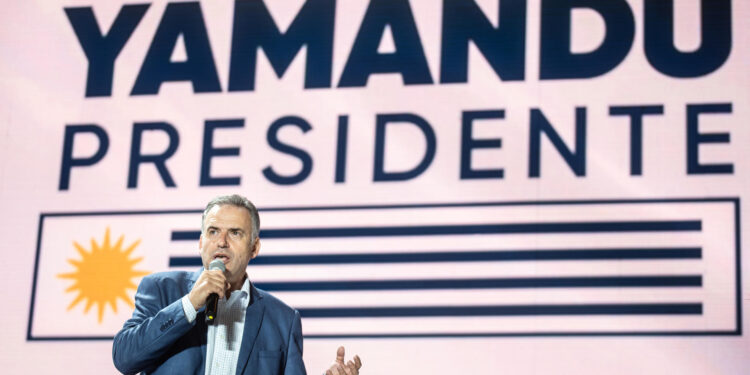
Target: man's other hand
x=209, y=282
x=341, y=368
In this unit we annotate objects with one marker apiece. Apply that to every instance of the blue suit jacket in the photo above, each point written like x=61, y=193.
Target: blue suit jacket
x=159, y=340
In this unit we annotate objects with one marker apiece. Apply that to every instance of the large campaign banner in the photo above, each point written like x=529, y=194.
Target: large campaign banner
x=445, y=187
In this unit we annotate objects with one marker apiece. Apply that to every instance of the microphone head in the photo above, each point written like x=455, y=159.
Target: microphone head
x=217, y=264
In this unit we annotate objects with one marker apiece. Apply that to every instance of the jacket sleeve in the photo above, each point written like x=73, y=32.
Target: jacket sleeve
x=294, y=364
x=150, y=332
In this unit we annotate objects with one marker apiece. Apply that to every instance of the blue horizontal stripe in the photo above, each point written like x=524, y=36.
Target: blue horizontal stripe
x=485, y=283
x=428, y=230
x=464, y=256
x=504, y=310
x=186, y=235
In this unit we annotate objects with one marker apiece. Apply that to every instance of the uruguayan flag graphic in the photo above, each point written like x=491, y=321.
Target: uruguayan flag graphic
x=481, y=269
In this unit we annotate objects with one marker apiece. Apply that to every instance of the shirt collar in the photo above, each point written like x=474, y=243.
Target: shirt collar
x=246, y=287
x=245, y=292
x=242, y=295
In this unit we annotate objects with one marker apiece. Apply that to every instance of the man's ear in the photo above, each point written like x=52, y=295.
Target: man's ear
x=255, y=248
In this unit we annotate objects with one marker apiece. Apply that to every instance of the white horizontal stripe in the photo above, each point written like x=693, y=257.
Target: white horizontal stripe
x=444, y=270
x=475, y=297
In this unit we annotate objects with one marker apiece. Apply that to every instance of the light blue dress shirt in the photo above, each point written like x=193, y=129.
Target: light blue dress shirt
x=224, y=335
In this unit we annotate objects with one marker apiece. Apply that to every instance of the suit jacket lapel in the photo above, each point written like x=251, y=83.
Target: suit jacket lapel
x=253, y=320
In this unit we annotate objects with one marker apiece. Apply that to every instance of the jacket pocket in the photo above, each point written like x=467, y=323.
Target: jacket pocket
x=269, y=362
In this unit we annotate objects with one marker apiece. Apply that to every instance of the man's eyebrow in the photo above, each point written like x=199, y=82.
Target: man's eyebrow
x=229, y=229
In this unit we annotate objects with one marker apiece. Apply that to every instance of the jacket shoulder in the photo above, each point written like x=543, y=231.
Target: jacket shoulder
x=275, y=304
x=169, y=281
x=169, y=276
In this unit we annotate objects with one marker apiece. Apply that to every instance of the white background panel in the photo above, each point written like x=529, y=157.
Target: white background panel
x=44, y=70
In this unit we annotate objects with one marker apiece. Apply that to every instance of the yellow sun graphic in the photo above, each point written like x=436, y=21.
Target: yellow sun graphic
x=103, y=274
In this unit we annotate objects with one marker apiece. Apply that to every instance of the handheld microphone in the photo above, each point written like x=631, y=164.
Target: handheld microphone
x=213, y=299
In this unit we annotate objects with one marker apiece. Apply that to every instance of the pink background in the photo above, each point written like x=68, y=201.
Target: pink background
x=43, y=79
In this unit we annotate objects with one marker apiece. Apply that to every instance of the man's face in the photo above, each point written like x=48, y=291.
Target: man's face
x=227, y=236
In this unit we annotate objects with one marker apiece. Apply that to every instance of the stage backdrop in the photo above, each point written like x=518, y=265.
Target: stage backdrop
x=445, y=187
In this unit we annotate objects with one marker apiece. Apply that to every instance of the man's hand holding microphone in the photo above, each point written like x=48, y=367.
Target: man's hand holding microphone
x=211, y=285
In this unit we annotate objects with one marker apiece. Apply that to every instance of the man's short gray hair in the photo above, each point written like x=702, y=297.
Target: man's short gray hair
x=238, y=201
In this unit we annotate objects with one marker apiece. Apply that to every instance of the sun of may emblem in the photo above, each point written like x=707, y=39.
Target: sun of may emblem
x=103, y=274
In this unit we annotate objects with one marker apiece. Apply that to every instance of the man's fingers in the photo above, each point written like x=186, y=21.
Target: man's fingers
x=340, y=368
x=216, y=282
x=216, y=277
x=340, y=355
x=215, y=286
x=336, y=370
x=350, y=369
x=208, y=282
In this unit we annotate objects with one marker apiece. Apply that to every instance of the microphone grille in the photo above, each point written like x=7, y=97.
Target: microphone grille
x=217, y=264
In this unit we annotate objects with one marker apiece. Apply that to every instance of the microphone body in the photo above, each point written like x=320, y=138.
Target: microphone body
x=212, y=303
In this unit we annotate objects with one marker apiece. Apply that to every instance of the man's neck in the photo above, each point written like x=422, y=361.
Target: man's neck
x=236, y=285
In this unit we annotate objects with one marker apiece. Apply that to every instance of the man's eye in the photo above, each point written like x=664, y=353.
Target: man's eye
x=235, y=233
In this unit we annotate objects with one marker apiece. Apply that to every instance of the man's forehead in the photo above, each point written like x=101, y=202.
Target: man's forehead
x=228, y=215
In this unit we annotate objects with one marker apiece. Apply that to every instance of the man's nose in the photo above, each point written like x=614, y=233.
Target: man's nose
x=223, y=240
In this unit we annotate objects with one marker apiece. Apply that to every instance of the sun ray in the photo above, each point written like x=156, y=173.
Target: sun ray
x=73, y=287
x=80, y=249
x=100, y=307
x=132, y=247
x=118, y=245
x=123, y=296
x=140, y=273
x=75, y=301
x=105, y=242
x=104, y=274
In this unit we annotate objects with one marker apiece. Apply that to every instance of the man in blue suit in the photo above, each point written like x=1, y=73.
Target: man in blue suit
x=254, y=332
